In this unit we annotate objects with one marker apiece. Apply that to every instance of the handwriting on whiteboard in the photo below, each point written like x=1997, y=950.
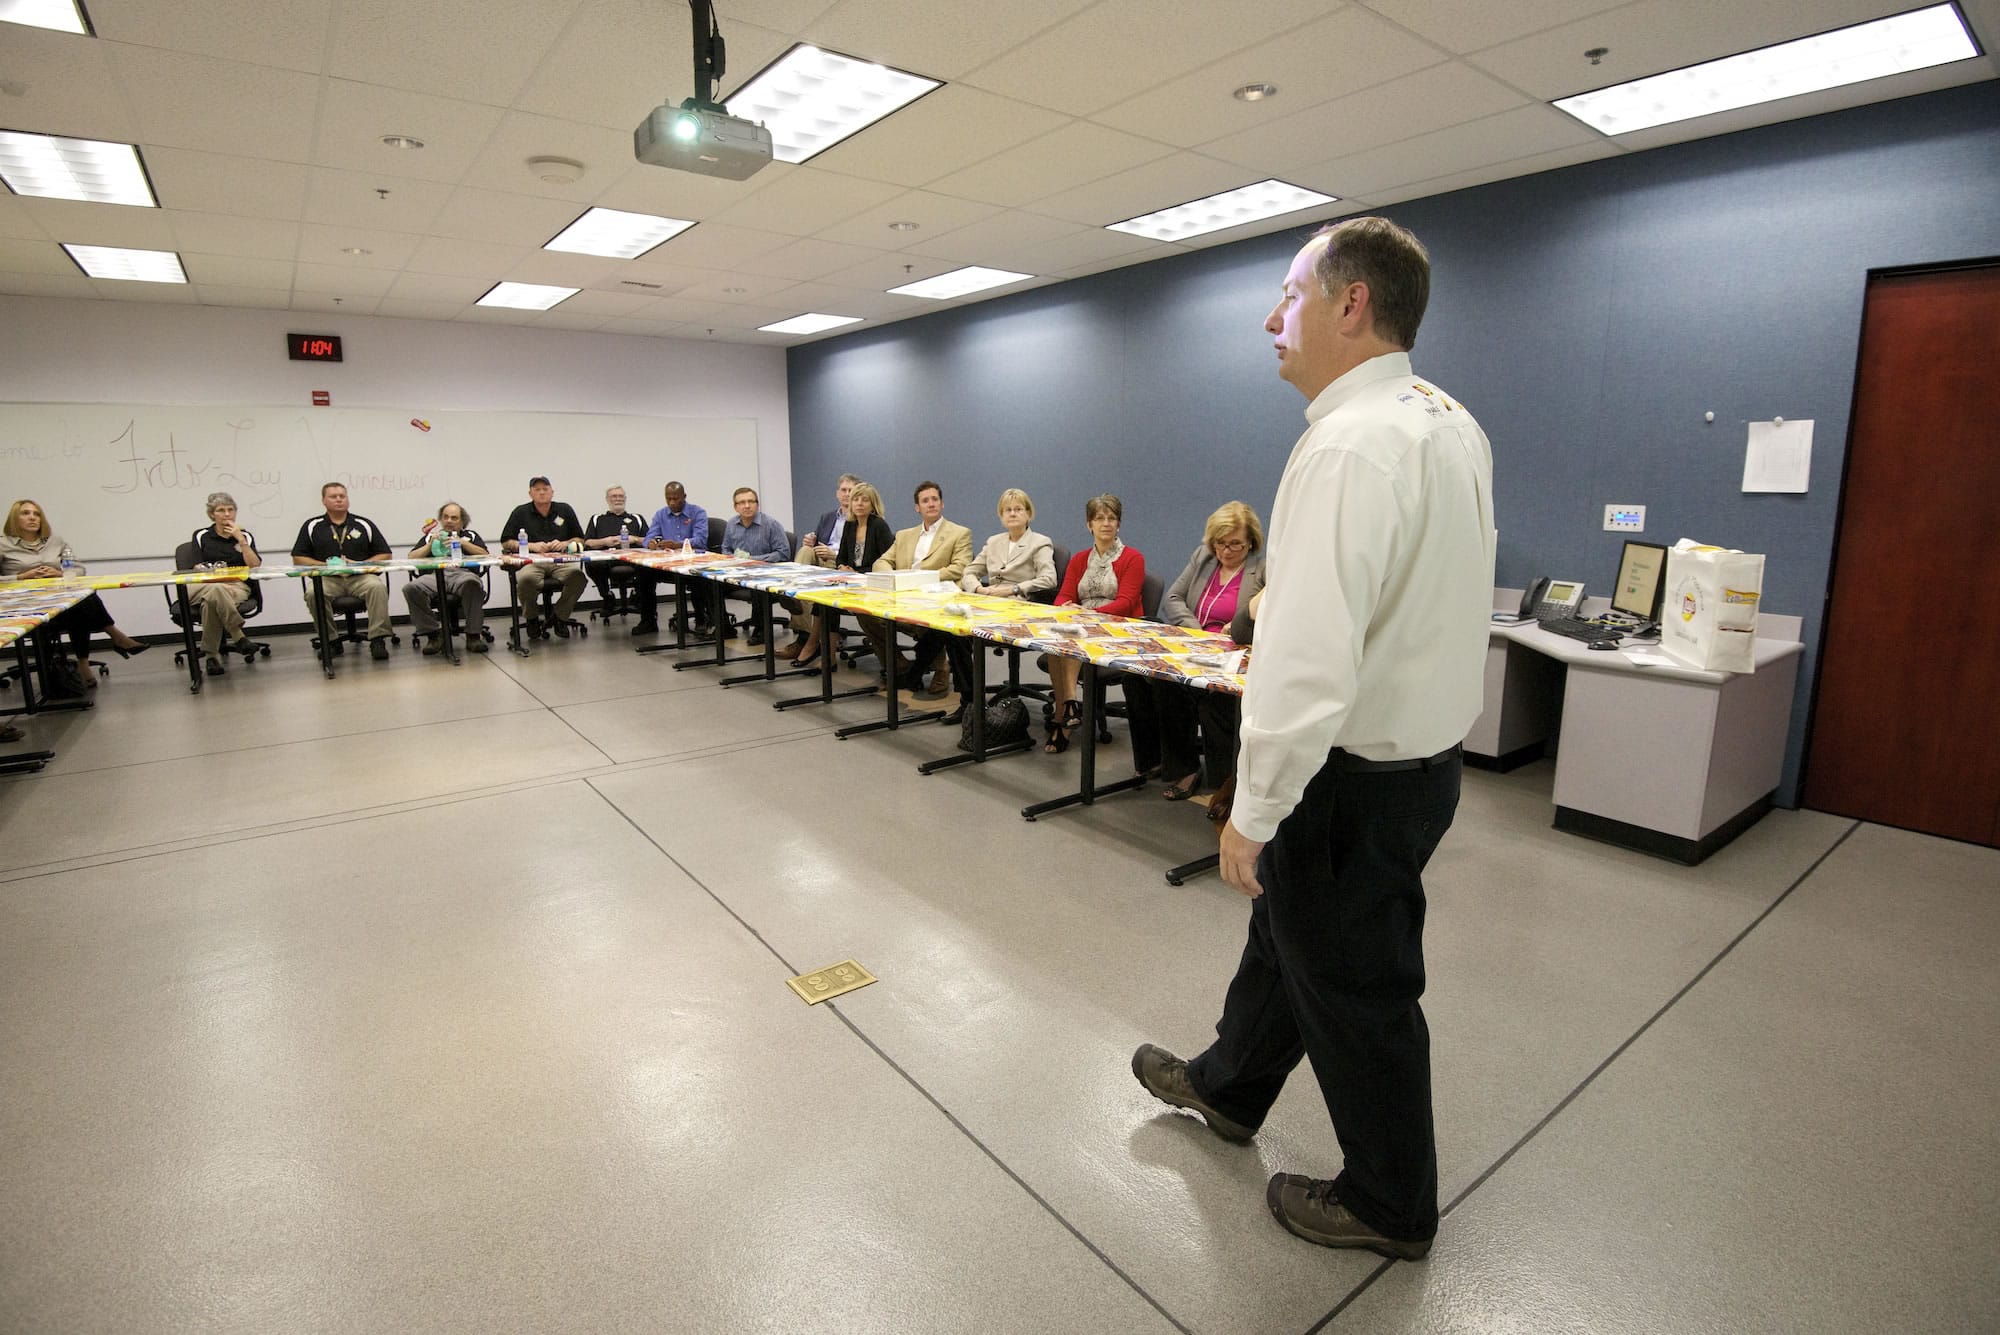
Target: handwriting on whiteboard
x=171, y=467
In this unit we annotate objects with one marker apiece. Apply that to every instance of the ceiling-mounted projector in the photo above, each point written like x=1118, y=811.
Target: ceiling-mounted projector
x=705, y=139
x=700, y=135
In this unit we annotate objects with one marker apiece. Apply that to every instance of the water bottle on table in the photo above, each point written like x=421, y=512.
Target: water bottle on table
x=521, y=542
x=67, y=560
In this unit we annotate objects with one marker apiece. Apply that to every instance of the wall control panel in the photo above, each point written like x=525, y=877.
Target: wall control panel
x=1624, y=519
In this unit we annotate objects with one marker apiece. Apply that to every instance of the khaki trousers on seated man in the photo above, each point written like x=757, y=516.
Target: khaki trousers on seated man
x=218, y=606
x=372, y=590
x=567, y=577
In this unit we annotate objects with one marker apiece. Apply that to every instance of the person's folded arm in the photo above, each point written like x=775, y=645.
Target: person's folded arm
x=1310, y=629
x=975, y=573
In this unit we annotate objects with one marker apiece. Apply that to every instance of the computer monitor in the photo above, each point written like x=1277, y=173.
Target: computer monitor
x=1642, y=578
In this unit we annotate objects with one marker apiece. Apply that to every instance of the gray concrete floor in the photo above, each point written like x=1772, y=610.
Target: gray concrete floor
x=452, y=999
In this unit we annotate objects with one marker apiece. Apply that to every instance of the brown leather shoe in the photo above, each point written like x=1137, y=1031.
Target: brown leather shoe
x=1307, y=1208
x=1166, y=1079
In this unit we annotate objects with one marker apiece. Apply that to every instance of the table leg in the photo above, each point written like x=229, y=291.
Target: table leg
x=514, y=628
x=1088, y=790
x=893, y=719
x=976, y=702
x=187, y=638
x=444, y=615
x=829, y=621
x=322, y=619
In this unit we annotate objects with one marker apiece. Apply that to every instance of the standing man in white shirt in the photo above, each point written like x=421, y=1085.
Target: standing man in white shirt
x=1366, y=676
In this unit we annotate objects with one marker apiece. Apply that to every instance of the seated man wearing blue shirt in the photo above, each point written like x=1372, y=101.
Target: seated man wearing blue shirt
x=680, y=522
x=757, y=536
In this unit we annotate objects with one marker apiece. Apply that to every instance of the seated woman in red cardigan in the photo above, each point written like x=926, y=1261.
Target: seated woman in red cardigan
x=1108, y=577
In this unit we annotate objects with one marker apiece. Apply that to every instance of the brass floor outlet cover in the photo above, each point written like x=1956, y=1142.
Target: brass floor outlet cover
x=832, y=981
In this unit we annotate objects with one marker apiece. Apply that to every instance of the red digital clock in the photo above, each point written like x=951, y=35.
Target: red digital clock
x=313, y=347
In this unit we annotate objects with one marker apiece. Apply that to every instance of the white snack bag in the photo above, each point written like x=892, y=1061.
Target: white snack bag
x=1708, y=618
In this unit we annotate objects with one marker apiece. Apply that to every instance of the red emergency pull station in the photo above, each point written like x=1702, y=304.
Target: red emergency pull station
x=322, y=398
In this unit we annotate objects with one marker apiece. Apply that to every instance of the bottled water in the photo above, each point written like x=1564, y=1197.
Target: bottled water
x=457, y=547
x=521, y=542
x=67, y=561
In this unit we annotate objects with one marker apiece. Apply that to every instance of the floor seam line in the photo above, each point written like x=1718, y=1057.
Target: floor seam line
x=1598, y=1070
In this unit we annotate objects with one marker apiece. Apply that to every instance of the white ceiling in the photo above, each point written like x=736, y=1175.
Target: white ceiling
x=261, y=125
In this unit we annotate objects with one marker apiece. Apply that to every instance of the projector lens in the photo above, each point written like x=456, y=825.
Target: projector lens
x=687, y=125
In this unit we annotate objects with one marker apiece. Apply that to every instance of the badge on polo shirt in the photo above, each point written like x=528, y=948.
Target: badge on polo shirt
x=558, y=521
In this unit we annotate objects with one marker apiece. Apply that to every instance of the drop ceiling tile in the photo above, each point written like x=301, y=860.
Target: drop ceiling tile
x=616, y=61
x=784, y=15
x=1159, y=184
x=474, y=50
x=332, y=304
x=68, y=86
x=230, y=271
x=329, y=245
x=502, y=164
x=654, y=278
x=951, y=38
x=1511, y=134
x=638, y=328
x=1527, y=166
x=1656, y=35
x=265, y=298
x=803, y=201
x=71, y=284
x=200, y=102
x=487, y=215
x=851, y=301
x=26, y=256
x=1071, y=156
x=356, y=285
x=715, y=246
x=355, y=116
x=217, y=182
x=1341, y=53
x=889, y=270
x=736, y=289
x=495, y=315
x=749, y=317
x=101, y=224
x=291, y=35
x=226, y=234
x=566, y=316
x=401, y=309
x=672, y=194
x=602, y=304
x=980, y=242
x=442, y=289
x=1065, y=253
x=468, y=259
x=119, y=289
x=933, y=214
x=682, y=309
x=947, y=130
x=1066, y=68
x=1471, y=25
x=1415, y=104
x=561, y=269
x=355, y=199
x=16, y=221
x=805, y=259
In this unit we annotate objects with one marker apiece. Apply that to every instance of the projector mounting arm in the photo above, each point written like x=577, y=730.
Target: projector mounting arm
x=710, y=54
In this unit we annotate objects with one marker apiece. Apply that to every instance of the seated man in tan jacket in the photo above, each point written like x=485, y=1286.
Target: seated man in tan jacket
x=934, y=544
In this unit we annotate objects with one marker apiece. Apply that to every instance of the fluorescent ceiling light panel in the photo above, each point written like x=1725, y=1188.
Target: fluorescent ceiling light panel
x=811, y=99
x=1231, y=208
x=959, y=282
x=92, y=170
x=526, y=296
x=62, y=15
x=135, y=266
x=1895, y=45
x=616, y=235
x=810, y=323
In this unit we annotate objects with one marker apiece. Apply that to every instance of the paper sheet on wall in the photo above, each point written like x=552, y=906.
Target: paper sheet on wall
x=1778, y=457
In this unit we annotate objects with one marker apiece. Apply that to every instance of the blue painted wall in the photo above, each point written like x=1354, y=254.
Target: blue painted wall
x=1589, y=317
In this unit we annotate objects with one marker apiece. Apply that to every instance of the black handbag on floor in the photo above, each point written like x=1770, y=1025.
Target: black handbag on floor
x=1006, y=721
x=62, y=681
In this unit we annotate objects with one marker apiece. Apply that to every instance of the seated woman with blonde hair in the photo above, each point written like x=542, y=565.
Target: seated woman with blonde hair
x=30, y=549
x=863, y=540
x=1222, y=577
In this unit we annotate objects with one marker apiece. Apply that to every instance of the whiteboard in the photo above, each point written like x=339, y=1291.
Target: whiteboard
x=129, y=480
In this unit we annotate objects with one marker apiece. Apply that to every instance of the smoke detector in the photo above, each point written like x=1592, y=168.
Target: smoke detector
x=556, y=171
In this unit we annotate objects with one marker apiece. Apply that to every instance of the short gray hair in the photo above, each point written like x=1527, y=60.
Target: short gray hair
x=216, y=498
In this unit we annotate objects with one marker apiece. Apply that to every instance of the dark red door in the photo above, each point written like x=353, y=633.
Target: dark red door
x=1906, y=726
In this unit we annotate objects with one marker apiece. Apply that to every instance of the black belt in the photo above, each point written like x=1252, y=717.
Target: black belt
x=1354, y=764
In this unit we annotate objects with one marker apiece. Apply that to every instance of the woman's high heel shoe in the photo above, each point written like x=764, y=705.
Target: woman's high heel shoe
x=138, y=647
x=1061, y=726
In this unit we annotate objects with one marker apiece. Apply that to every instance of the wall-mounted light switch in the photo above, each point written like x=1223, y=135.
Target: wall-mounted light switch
x=1624, y=519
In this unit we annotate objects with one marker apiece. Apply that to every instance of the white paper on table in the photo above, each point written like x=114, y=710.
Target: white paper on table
x=1650, y=658
x=1778, y=456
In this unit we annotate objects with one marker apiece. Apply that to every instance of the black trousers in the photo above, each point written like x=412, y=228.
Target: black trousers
x=1333, y=970
x=1197, y=731
x=78, y=622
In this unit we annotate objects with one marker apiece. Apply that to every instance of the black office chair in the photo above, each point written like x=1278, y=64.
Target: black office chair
x=619, y=593
x=348, y=607
x=551, y=591
x=186, y=557
x=448, y=623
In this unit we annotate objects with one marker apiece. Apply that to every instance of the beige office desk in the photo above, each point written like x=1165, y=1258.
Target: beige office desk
x=1666, y=760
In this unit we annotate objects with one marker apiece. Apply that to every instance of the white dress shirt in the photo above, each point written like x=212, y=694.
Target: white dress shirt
x=924, y=540
x=1378, y=585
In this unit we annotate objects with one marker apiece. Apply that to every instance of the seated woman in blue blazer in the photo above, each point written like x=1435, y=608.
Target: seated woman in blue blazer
x=1221, y=578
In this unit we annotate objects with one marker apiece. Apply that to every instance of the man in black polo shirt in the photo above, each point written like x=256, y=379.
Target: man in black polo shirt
x=349, y=539
x=605, y=532
x=552, y=527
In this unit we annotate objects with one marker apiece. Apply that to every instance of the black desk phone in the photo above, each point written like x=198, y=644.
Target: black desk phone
x=1552, y=600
